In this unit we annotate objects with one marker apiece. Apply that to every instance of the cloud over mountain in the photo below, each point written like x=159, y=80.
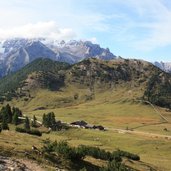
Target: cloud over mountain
x=41, y=29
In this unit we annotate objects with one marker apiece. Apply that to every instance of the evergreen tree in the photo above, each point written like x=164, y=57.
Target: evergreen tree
x=44, y=119
x=6, y=113
x=9, y=113
x=4, y=123
x=33, y=123
x=16, y=110
x=15, y=119
x=53, y=121
x=27, y=124
x=49, y=120
x=52, y=118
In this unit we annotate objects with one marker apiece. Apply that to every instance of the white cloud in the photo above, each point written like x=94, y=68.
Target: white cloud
x=41, y=29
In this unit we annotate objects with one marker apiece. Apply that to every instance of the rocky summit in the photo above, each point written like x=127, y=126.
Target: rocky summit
x=165, y=66
x=16, y=53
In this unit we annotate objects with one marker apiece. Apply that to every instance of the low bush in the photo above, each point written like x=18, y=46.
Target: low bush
x=127, y=155
x=32, y=132
x=62, y=148
x=114, y=159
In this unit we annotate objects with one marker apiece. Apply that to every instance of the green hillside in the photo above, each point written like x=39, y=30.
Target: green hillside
x=46, y=68
x=85, y=80
x=107, y=93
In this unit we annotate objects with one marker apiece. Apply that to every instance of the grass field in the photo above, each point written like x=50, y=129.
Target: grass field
x=152, y=151
x=114, y=109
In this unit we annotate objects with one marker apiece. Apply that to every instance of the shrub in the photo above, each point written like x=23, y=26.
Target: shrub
x=62, y=148
x=35, y=132
x=32, y=132
x=22, y=130
x=126, y=154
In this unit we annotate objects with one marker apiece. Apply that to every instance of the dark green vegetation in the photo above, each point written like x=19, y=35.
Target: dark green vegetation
x=13, y=116
x=8, y=115
x=44, y=72
x=77, y=154
x=49, y=121
x=159, y=89
x=93, y=74
x=32, y=132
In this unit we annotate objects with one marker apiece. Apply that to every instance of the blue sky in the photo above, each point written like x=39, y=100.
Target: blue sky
x=130, y=28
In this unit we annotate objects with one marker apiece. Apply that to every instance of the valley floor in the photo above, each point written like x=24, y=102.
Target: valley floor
x=132, y=126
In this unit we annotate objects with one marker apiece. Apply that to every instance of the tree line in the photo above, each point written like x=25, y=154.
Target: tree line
x=9, y=115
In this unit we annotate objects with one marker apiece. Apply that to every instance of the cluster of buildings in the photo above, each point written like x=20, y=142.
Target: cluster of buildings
x=85, y=125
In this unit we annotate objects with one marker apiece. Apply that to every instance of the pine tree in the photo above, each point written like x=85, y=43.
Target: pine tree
x=49, y=120
x=33, y=123
x=4, y=123
x=53, y=121
x=16, y=110
x=6, y=112
x=27, y=124
x=9, y=113
x=52, y=118
x=15, y=119
x=44, y=119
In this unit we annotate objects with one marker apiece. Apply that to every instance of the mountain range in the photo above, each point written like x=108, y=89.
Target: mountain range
x=16, y=53
x=30, y=64
x=165, y=66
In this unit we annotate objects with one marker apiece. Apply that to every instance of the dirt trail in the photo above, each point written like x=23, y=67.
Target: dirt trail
x=141, y=133
x=155, y=109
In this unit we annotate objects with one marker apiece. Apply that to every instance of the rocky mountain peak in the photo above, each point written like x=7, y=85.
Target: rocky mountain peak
x=165, y=66
x=16, y=53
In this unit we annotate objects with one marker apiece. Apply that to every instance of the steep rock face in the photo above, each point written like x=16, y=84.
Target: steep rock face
x=16, y=53
x=75, y=51
x=19, y=52
x=165, y=66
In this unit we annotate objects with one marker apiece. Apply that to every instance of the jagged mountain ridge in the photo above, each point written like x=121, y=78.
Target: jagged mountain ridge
x=16, y=53
x=89, y=77
x=76, y=51
x=20, y=52
x=165, y=66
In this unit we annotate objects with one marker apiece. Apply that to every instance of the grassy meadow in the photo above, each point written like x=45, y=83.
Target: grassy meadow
x=114, y=109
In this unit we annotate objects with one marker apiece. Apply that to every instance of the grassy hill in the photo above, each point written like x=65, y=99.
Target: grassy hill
x=86, y=80
x=108, y=93
x=45, y=71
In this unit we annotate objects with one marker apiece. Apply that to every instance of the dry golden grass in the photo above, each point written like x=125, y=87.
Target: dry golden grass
x=115, y=109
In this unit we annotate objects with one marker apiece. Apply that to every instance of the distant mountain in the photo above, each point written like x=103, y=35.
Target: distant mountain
x=89, y=77
x=19, y=52
x=16, y=53
x=165, y=66
x=75, y=51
